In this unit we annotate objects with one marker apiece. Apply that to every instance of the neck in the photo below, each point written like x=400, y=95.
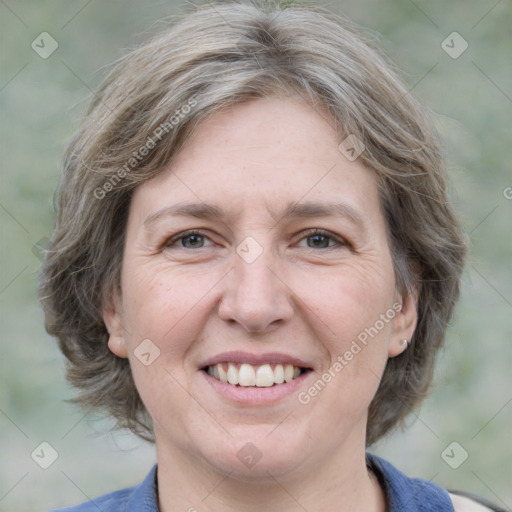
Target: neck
x=340, y=484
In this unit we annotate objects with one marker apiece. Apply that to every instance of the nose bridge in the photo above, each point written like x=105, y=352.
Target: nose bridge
x=256, y=284
x=254, y=273
x=256, y=296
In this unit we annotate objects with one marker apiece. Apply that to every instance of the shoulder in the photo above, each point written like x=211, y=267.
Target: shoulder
x=133, y=499
x=462, y=503
x=419, y=495
x=115, y=501
x=405, y=493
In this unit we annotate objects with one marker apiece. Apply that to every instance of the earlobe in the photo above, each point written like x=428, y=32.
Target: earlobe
x=113, y=322
x=396, y=347
x=117, y=346
x=404, y=325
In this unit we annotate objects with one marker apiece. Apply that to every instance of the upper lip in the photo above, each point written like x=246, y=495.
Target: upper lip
x=255, y=359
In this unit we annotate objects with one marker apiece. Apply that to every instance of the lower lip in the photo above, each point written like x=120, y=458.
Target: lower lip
x=251, y=395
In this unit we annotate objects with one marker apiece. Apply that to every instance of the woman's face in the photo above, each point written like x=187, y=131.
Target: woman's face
x=288, y=263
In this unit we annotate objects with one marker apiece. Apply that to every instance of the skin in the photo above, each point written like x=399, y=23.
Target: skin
x=298, y=298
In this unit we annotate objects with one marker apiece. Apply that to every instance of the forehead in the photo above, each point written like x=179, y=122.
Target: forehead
x=261, y=156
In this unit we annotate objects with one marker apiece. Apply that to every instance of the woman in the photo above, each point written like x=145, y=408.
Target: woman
x=254, y=264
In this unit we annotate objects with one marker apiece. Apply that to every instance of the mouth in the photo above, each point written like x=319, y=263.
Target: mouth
x=260, y=376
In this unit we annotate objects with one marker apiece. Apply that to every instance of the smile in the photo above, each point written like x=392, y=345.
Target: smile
x=261, y=376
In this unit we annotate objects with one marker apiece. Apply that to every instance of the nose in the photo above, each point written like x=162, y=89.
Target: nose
x=257, y=296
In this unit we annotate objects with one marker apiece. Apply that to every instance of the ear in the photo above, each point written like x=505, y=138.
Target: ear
x=404, y=323
x=112, y=316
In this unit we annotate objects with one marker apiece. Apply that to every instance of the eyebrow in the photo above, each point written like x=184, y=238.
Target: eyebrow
x=294, y=210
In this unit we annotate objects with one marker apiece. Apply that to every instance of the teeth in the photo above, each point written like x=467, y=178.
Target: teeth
x=232, y=374
x=279, y=374
x=264, y=376
x=223, y=375
x=288, y=372
x=246, y=375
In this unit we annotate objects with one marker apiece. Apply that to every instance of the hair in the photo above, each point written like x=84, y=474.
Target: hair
x=151, y=102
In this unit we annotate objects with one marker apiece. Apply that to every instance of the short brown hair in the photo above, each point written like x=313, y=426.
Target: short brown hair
x=152, y=101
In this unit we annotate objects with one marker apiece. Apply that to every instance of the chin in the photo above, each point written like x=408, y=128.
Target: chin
x=253, y=458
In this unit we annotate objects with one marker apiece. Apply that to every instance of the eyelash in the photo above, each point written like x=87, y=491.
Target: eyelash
x=306, y=234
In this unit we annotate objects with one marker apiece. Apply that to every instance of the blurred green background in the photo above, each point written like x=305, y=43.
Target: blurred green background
x=42, y=101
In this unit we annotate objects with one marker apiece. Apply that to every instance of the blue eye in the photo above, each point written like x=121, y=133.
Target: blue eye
x=193, y=241
x=316, y=239
x=189, y=240
x=320, y=239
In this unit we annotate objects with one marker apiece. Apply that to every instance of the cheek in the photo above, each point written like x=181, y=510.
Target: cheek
x=347, y=301
x=161, y=304
x=347, y=317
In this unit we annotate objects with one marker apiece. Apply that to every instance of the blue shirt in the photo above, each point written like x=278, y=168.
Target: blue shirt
x=403, y=494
